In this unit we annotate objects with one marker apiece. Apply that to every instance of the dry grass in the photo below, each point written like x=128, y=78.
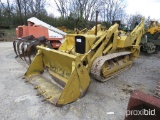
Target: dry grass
x=9, y=34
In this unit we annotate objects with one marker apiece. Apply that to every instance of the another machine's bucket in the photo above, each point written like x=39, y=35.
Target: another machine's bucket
x=143, y=107
x=70, y=79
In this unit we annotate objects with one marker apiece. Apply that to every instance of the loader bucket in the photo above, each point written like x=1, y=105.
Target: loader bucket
x=70, y=79
x=143, y=107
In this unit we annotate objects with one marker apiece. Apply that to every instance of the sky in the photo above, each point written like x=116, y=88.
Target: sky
x=145, y=7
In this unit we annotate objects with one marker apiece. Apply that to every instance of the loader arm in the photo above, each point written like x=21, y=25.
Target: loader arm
x=136, y=36
x=137, y=33
x=104, y=44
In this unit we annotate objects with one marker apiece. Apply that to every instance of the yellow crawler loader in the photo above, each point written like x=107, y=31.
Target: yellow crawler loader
x=151, y=40
x=103, y=54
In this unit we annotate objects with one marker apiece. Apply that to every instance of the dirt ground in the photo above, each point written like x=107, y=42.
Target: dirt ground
x=18, y=100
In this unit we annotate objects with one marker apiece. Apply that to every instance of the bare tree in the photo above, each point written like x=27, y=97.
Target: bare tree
x=91, y=7
x=8, y=8
x=19, y=3
x=147, y=21
x=26, y=8
x=80, y=9
x=37, y=7
x=134, y=19
x=77, y=10
x=63, y=7
x=113, y=9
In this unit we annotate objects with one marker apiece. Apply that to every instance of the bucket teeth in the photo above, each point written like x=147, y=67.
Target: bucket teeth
x=49, y=97
x=50, y=91
x=37, y=87
x=26, y=80
x=38, y=94
x=46, y=99
x=43, y=92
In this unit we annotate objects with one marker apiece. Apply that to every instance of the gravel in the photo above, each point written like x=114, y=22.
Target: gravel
x=19, y=101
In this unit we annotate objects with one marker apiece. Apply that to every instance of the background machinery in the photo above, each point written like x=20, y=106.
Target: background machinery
x=151, y=41
x=36, y=33
x=101, y=53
